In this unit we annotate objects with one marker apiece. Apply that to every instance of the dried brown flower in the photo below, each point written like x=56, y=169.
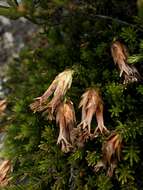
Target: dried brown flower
x=79, y=136
x=120, y=56
x=91, y=104
x=5, y=168
x=65, y=118
x=111, y=153
x=3, y=105
x=58, y=89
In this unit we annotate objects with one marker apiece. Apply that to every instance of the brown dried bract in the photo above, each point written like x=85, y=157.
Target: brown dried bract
x=58, y=89
x=3, y=105
x=111, y=153
x=120, y=56
x=79, y=136
x=91, y=103
x=5, y=168
x=65, y=118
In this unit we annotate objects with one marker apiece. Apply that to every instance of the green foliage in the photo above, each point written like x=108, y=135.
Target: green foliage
x=92, y=158
x=124, y=174
x=140, y=8
x=103, y=183
x=76, y=34
x=129, y=35
x=115, y=98
x=131, y=154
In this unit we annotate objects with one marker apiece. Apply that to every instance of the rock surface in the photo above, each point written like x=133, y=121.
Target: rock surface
x=14, y=35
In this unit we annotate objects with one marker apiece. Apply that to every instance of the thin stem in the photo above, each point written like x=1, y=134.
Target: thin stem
x=114, y=19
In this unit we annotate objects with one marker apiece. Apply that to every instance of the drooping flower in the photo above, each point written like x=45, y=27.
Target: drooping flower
x=65, y=118
x=58, y=89
x=120, y=56
x=5, y=168
x=91, y=103
x=111, y=150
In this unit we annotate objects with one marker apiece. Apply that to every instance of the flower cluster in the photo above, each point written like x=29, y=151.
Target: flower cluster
x=72, y=135
x=63, y=112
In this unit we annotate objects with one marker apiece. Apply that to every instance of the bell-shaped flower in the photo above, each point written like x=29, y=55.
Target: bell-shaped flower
x=120, y=56
x=92, y=104
x=57, y=90
x=65, y=118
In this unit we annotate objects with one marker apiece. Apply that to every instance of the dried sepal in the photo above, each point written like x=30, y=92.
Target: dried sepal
x=111, y=151
x=65, y=118
x=100, y=121
x=58, y=89
x=120, y=55
x=92, y=104
x=5, y=168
